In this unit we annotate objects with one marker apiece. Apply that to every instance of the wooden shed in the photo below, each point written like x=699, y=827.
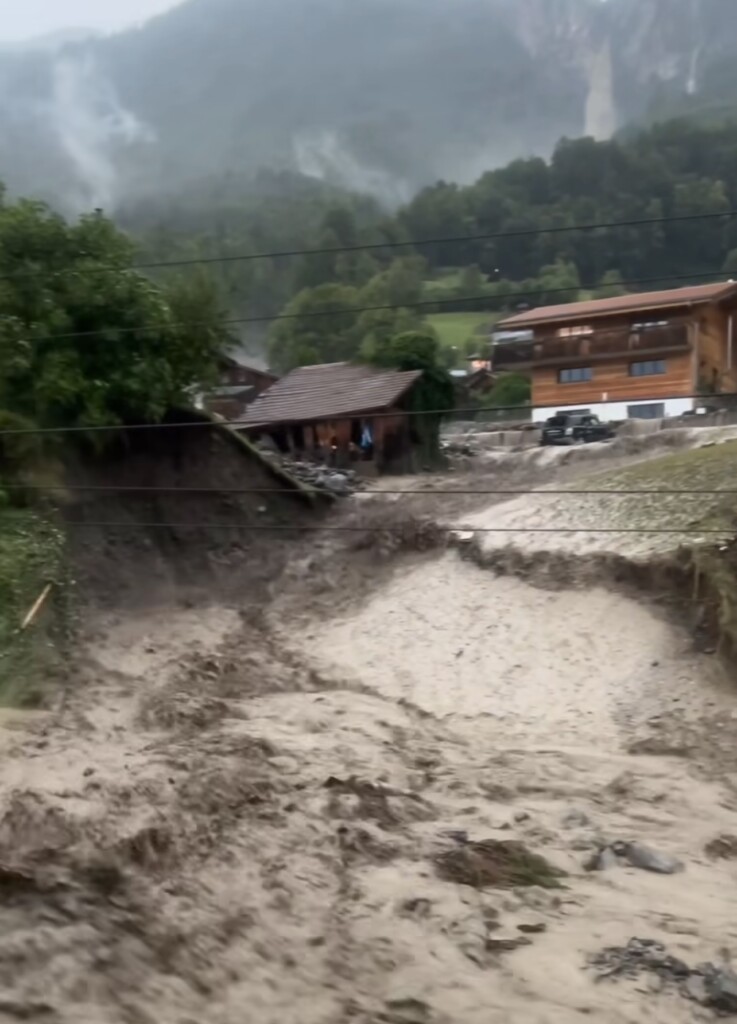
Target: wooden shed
x=340, y=414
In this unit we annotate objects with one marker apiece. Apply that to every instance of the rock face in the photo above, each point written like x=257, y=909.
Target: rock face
x=93, y=122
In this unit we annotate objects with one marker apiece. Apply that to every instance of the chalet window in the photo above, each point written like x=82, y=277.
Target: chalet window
x=579, y=331
x=648, y=369
x=648, y=325
x=650, y=411
x=576, y=375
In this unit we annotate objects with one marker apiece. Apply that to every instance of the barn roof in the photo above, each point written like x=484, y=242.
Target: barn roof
x=329, y=391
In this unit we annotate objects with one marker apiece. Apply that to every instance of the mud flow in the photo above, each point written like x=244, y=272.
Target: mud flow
x=390, y=776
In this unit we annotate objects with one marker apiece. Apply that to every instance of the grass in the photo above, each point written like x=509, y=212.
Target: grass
x=712, y=469
x=31, y=555
x=455, y=329
x=710, y=559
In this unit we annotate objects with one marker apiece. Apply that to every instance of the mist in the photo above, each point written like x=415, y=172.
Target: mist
x=92, y=129
x=323, y=155
x=377, y=96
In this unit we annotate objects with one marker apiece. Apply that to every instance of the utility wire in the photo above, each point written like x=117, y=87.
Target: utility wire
x=355, y=310
x=446, y=414
x=215, y=491
x=415, y=243
x=280, y=528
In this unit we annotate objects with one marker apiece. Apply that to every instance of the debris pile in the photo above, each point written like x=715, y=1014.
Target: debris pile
x=455, y=448
x=339, y=482
x=706, y=984
x=636, y=855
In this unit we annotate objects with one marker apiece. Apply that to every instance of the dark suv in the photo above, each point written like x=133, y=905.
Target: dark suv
x=575, y=428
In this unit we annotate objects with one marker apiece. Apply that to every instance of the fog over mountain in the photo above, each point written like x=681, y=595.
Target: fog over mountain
x=377, y=95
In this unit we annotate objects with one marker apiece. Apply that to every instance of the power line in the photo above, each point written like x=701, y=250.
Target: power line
x=214, y=491
x=414, y=243
x=281, y=528
x=233, y=425
x=356, y=310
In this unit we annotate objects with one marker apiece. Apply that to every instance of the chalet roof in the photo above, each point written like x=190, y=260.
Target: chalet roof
x=643, y=302
x=329, y=391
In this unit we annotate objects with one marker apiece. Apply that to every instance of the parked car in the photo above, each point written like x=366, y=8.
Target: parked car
x=575, y=428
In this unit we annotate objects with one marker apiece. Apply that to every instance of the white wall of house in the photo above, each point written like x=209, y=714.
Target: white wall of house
x=621, y=410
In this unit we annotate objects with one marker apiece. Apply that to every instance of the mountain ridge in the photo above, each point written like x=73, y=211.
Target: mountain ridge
x=381, y=96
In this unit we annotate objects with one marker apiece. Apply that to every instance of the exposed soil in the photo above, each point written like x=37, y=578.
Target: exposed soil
x=215, y=539
x=357, y=777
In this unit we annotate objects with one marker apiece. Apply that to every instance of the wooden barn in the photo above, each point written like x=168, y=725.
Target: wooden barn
x=635, y=356
x=340, y=414
x=239, y=385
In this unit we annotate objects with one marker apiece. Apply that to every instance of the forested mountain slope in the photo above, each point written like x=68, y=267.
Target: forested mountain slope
x=381, y=96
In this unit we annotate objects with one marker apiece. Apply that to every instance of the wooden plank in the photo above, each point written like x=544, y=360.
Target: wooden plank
x=36, y=607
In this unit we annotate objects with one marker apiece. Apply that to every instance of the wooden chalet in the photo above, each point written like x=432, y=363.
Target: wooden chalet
x=635, y=356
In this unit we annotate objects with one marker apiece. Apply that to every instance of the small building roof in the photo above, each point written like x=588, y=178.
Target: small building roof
x=231, y=391
x=329, y=391
x=229, y=362
x=643, y=302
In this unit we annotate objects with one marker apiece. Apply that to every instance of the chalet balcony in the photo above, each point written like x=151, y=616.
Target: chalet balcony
x=592, y=348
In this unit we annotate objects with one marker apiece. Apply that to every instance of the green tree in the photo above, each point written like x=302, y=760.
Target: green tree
x=730, y=264
x=610, y=286
x=332, y=322
x=318, y=327
x=432, y=396
x=471, y=282
x=84, y=340
x=512, y=389
x=558, y=282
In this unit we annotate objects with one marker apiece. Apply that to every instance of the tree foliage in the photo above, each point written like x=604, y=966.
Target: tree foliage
x=84, y=340
x=511, y=389
x=332, y=322
x=672, y=170
x=433, y=394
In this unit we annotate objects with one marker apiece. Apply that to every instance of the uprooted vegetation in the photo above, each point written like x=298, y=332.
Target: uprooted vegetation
x=497, y=864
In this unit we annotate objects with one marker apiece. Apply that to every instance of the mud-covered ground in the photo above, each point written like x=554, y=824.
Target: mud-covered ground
x=248, y=810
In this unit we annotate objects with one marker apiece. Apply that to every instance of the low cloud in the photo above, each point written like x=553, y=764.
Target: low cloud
x=323, y=155
x=93, y=130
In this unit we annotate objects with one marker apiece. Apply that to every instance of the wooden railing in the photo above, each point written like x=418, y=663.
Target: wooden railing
x=601, y=345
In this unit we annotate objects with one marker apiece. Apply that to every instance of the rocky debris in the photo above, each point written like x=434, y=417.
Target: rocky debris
x=502, y=944
x=643, y=857
x=635, y=854
x=497, y=864
x=339, y=482
x=408, y=1011
x=575, y=819
x=465, y=449
x=711, y=986
x=15, y=879
x=720, y=986
x=722, y=848
x=535, y=928
x=358, y=798
x=602, y=860
x=637, y=956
